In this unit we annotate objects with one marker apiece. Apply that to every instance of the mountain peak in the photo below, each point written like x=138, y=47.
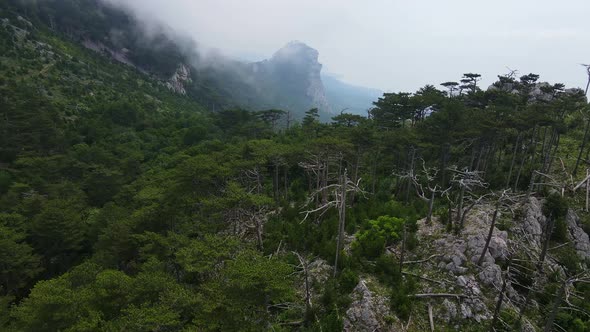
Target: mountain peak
x=296, y=50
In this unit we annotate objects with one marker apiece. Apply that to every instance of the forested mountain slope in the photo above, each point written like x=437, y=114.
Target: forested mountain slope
x=126, y=206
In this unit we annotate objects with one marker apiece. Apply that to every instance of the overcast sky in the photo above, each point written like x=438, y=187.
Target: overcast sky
x=396, y=45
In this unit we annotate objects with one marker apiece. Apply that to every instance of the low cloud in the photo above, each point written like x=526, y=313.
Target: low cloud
x=392, y=45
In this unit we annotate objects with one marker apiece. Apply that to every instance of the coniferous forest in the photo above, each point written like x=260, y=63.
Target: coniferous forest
x=125, y=206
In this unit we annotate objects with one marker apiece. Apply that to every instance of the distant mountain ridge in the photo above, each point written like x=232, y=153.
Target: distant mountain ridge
x=291, y=79
x=344, y=97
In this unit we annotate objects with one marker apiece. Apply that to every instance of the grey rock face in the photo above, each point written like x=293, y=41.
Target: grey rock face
x=449, y=311
x=491, y=275
x=469, y=285
x=474, y=308
x=499, y=245
x=527, y=327
x=23, y=20
x=319, y=271
x=475, y=246
x=367, y=312
x=538, y=94
x=454, y=254
x=533, y=223
x=179, y=79
x=577, y=235
x=302, y=59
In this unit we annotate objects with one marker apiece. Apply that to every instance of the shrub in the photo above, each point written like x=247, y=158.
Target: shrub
x=370, y=243
x=401, y=303
x=348, y=280
x=387, y=270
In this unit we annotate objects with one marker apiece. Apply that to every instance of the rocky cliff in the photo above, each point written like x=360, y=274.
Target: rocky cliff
x=291, y=78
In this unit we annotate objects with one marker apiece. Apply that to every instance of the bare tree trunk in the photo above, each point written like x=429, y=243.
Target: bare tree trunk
x=500, y=298
x=318, y=182
x=464, y=216
x=286, y=182
x=523, y=158
x=501, y=154
x=258, y=181
x=490, y=233
x=259, y=230
x=534, y=145
x=403, y=249
x=460, y=204
x=543, y=146
x=407, y=191
x=410, y=173
x=582, y=147
x=473, y=153
x=490, y=154
x=342, y=219
x=548, y=231
x=356, y=171
x=445, y=155
x=325, y=181
x=527, y=299
x=430, y=318
x=450, y=215
x=479, y=157
x=308, y=304
x=275, y=182
x=532, y=183
x=553, y=153
x=374, y=173
x=553, y=314
x=547, y=154
x=430, y=206
x=513, y=160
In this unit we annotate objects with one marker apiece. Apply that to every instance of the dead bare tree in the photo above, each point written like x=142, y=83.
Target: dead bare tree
x=337, y=199
x=403, y=249
x=586, y=183
x=549, y=180
x=467, y=181
x=304, y=267
x=428, y=194
x=588, y=82
x=516, y=145
x=246, y=219
x=252, y=180
x=314, y=168
x=411, y=166
x=492, y=225
x=322, y=168
x=505, y=200
x=584, y=140
x=501, y=297
x=546, y=238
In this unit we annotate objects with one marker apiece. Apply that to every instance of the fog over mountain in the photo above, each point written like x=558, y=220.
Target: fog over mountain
x=290, y=79
x=396, y=45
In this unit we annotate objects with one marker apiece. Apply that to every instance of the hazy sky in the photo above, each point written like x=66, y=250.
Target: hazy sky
x=396, y=45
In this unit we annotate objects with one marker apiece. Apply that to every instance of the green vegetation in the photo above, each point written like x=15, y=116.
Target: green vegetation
x=127, y=207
